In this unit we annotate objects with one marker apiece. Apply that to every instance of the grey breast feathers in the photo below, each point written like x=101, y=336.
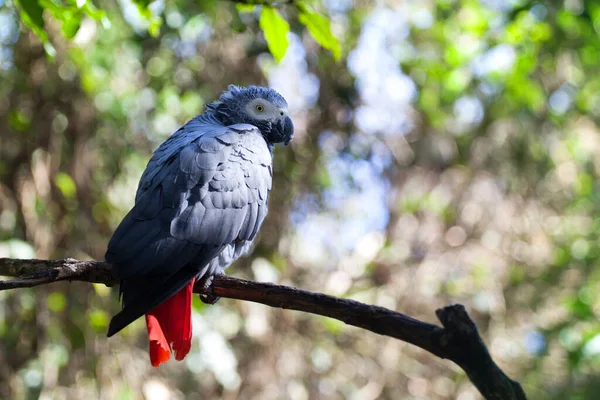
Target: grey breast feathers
x=206, y=188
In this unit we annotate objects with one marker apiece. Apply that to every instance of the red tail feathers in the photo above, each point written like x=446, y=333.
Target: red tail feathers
x=170, y=327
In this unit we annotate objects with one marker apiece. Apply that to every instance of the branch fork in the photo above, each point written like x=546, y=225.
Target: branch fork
x=457, y=340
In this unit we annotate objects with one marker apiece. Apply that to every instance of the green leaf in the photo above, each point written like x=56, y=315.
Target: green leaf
x=276, y=29
x=320, y=29
x=34, y=12
x=71, y=25
x=92, y=12
x=66, y=185
x=32, y=16
x=245, y=8
x=68, y=14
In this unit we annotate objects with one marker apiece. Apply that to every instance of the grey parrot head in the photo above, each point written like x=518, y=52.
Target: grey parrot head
x=259, y=106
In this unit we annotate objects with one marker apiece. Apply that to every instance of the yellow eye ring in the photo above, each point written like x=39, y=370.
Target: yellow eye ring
x=260, y=108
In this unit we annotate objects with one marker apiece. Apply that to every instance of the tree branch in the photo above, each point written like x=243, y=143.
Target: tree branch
x=458, y=340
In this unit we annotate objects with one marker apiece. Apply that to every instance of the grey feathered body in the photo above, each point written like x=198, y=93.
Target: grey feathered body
x=199, y=205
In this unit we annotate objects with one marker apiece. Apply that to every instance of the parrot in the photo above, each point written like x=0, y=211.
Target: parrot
x=198, y=207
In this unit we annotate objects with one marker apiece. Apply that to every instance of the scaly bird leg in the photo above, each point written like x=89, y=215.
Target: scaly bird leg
x=207, y=296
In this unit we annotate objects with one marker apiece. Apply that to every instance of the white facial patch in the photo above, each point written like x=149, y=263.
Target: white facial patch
x=261, y=109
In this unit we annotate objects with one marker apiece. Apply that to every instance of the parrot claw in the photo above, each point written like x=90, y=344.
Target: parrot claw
x=207, y=296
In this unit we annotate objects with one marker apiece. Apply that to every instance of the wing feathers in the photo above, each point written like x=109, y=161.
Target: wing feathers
x=249, y=221
x=205, y=187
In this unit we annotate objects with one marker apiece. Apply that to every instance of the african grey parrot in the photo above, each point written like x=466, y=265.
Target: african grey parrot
x=198, y=206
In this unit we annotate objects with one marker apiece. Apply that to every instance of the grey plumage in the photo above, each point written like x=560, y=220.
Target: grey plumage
x=200, y=201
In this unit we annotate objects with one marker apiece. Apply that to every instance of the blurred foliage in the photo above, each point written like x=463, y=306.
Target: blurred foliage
x=274, y=26
x=451, y=156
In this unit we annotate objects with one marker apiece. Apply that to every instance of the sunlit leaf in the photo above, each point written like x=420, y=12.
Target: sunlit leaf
x=320, y=29
x=65, y=184
x=99, y=15
x=154, y=27
x=275, y=29
x=245, y=8
x=71, y=25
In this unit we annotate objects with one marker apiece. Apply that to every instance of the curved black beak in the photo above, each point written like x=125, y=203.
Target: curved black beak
x=286, y=130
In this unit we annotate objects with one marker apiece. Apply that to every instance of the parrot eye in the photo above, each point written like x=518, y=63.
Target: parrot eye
x=260, y=108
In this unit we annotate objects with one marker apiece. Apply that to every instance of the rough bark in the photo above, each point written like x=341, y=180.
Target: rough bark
x=457, y=340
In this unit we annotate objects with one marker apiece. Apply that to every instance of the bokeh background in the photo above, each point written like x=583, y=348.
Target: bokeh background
x=450, y=155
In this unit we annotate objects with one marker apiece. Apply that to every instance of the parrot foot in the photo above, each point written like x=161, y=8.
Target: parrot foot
x=207, y=296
